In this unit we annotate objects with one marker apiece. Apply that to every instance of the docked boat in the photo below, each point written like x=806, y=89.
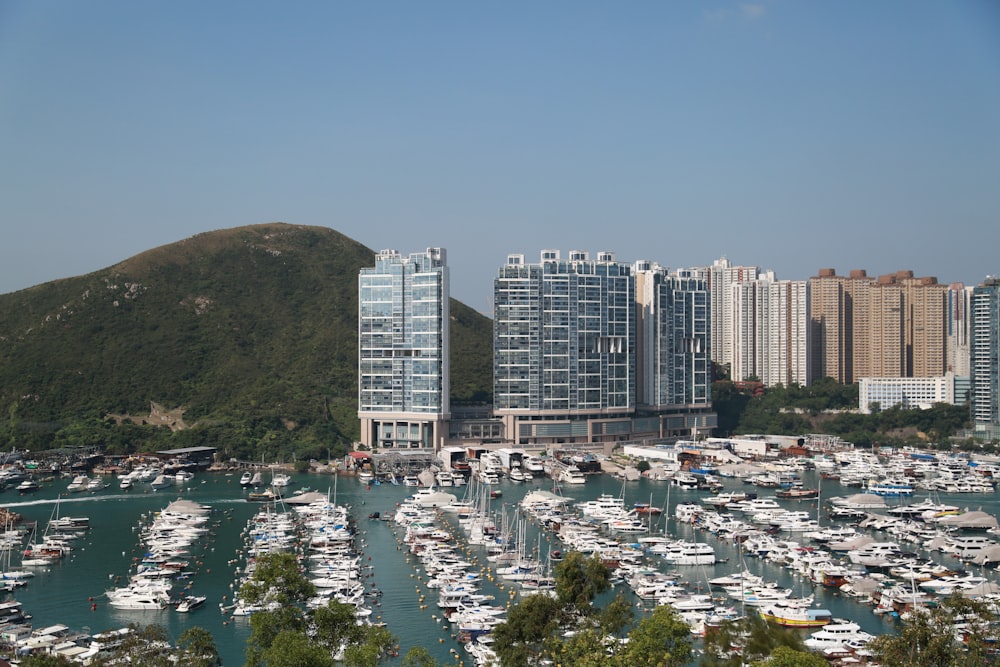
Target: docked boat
x=891, y=487
x=125, y=483
x=795, y=616
x=246, y=478
x=836, y=636
x=572, y=475
x=689, y=553
x=797, y=493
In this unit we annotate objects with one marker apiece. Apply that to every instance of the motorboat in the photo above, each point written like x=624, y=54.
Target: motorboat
x=572, y=475
x=246, y=478
x=837, y=635
x=27, y=486
x=125, y=483
x=281, y=479
x=96, y=484
x=190, y=602
x=431, y=498
x=79, y=483
x=162, y=482
x=795, y=616
x=689, y=553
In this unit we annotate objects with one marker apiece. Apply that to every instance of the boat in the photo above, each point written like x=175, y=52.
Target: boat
x=267, y=495
x=78, y=484
x=797, y=493
x=27, y=486
x=96, y=484
x=246, y=478
x=281, y=480
x=836, y=635
x=190, y=602
x=572, y=475
x=183, y=476
x=794, y=616
x=689, y=553
x=257, y=479
x=162, y=482
x=432, y=498
x=125, y=484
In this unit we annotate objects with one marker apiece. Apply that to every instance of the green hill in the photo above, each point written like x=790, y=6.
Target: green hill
x=243, y=339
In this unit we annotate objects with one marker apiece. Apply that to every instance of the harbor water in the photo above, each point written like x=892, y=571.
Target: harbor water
x=72, y=591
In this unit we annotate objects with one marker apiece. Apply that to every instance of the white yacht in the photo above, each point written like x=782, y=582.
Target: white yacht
x=162, y=482
x=837, y=635
x=689, y=553
x=79, y=483
x=572, y=475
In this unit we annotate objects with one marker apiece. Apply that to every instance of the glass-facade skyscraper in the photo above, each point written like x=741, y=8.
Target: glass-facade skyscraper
x=563, y=345
x=985, y=363
x=598, y=351
x=403, y=376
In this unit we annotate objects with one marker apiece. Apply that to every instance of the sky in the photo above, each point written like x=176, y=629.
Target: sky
x=788, y=135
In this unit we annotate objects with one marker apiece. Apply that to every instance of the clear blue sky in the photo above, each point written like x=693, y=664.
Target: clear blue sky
x=787, y=135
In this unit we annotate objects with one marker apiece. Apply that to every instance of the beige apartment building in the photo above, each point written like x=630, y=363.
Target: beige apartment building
x=891, y=326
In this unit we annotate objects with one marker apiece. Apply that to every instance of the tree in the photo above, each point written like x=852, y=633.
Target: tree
x=580, y=579
x=292, y=648
x=418, y=656
x=662, y=639
x=277, y=579
x=784, y=656
x=745, y=641
x=529, y=625
x=958, y=633
x=374, y=643
x=197, y=648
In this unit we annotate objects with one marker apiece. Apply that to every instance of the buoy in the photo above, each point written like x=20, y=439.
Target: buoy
x=93, y=606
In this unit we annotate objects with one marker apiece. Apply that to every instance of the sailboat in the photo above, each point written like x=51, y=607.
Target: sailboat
x=14, y=575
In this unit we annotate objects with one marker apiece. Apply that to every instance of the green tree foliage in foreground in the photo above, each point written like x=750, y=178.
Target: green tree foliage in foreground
x=286, y=634
x=934, y=637
x=570, y=630
x=752, y=640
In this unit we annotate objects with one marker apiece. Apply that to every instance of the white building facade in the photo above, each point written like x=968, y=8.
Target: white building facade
x=403, y=329
x=877, y=394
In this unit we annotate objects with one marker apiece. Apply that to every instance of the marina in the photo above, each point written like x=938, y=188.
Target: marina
x=705, y=541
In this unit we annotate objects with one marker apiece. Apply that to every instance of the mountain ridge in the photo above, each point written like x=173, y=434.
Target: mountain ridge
x=251, y=331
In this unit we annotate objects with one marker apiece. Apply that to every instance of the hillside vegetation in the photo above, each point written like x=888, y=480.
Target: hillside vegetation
x=243, y=339
x=831, y=408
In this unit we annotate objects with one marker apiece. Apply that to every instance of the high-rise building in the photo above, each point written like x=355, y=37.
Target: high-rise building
x=959, y=325
x=893, y=326
x=985, y=344
x=673, y=314
x=673, y=332
x=722, y=277
x=403, y=327
x=772, y=341
x=594, y=351
x=564, y=347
